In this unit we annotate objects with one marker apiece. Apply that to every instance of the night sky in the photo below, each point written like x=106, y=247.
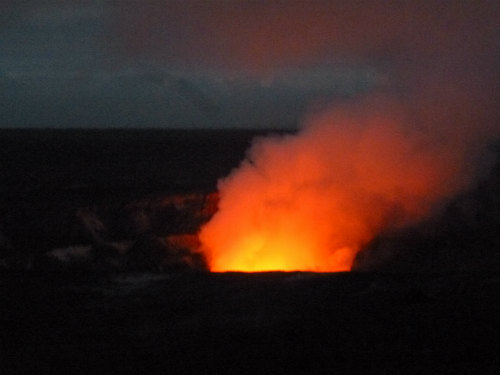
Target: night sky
x=212, y=64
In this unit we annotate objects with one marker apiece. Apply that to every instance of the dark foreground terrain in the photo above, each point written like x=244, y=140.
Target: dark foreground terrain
x=99, y=271
x=346, y=323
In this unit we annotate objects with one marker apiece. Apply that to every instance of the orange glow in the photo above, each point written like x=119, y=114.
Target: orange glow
x=279, y=253
x=309, y=202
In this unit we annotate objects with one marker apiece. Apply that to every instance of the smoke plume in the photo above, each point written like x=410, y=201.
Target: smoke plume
x=310, y=201
x=387, y=160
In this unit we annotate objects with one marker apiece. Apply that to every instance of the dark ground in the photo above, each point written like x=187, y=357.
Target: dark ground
x=346, y=323
x=424, y=301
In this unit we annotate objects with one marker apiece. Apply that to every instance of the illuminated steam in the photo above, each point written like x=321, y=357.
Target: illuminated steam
x=310, y=201
x=384, y=160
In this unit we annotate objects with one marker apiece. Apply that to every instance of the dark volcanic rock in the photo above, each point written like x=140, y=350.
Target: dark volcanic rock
x=463, y=237
x=151, y=233
x=158, y=254
x=267, y=323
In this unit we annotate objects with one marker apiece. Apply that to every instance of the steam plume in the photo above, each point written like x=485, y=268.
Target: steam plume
x=310, y=201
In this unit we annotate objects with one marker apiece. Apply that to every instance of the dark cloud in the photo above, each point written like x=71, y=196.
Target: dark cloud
x=225, y=63
x=262, y=35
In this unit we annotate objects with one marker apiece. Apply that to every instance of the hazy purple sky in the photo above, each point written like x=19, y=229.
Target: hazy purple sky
x=231, y=63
